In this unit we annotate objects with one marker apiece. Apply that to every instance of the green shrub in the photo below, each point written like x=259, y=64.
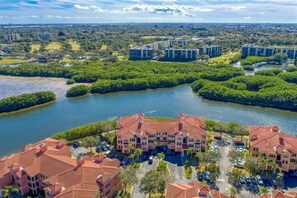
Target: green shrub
x=70, y=81
x=248, y=67
x=86, y=130
x=78, y=90
x=23, y=101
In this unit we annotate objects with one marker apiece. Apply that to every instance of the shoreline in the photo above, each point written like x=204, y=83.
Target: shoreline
x=27, y=109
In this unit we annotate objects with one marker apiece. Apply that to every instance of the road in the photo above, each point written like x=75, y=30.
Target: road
x=145, y=167
x=225, y=167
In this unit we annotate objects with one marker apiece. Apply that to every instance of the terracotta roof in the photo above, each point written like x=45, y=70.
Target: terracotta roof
x=279, y=194
x=268, y=138
x=129, y=125
x=65, y=175
x=191, y=190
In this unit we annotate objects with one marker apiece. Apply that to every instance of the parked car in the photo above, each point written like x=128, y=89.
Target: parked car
x=76, y=144
x=200, y=176
x=150, y=161
x=207, y=176
x=241, y=179
x=254, y=180
x=110, y=154
x=260, y=181
x=98, y=149
x=239, y=143
x=248, y=180
x=218, y=137
x=125, y=162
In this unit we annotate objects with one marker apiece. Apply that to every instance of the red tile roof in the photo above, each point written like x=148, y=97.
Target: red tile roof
x=192, y=125
x=268, y=138
x=53, y=159
x=279, y=194
x=191, y=190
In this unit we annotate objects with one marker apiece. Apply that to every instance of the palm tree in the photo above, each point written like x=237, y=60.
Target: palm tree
x=274, y=166
x=263, y=164
x=263, y=190
x=280, y=177
x=9, y=190
x=233, y=192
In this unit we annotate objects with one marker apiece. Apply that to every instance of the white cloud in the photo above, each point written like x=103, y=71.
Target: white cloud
x=247, y=18
x=238, y=7
x=80, y=7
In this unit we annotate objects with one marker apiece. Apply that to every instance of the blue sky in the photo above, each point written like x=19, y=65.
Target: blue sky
x=114, y=11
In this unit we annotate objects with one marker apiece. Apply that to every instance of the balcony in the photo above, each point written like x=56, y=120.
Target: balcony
x=138, y=146
x=185, y=146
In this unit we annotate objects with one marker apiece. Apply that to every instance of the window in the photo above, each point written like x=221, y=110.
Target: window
x=178, y=143
x=164, y=138
x=29, y=178
x=294, y=155
x=30, y=185
x=132, y=140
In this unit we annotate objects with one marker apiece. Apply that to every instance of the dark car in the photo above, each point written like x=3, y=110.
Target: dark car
x=125, y=162
x=76, y=145
x=248, y=180
x=98, y=149
x=200, y=176
x=260, y=181
x=254, y=180
x=239, y=143
x=104, y=148
x=207, y=176
x=241, y=179
x=110, y=155
x=150, y=161
x=218, y=137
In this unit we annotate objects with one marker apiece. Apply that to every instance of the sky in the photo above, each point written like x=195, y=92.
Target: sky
x=148, y=11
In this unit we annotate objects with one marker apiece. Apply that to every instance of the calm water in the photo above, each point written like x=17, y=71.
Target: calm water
x=27, y=127
x=264, y=67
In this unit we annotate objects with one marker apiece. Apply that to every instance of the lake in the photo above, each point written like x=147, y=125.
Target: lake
x=31, y=126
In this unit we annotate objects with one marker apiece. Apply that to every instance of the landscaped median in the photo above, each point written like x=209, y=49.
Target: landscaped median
x=25, y=101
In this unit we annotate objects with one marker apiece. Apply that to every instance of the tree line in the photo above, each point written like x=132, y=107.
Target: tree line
x=22, y=101
x=267, y=91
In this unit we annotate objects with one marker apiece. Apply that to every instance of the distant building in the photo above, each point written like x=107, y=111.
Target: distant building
x=141, y=53
x=211, y=50
x=291, y=52
x=49, y=166
x=179, y=42
x=251, y=50
x=181, y=54
x=43, y=36
x=12, y=37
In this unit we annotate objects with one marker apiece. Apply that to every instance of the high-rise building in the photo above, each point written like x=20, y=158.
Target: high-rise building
x=291, y=52
x=141, y=53
x=12, y=37
x=180, y=54
x=211, y=50
x=251, y=50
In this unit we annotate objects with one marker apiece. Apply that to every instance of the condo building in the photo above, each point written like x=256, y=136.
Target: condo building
x=251, y=50
x=12, y=37
x=48, y=166
x=269, y=143
x=145, y=52
x=176, y=135
x=180, y=54
x=211, y=51
x=291, y=52
x=192, y=190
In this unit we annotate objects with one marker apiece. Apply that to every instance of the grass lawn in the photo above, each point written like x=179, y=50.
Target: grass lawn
x=103, y=47
x=225, y=58
x=66, y=60
x=7, y=61
x=53, y=46
x=74, y=45
x=35, y=47
x=148, y=37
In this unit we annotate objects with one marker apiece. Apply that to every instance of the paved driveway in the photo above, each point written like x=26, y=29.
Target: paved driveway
x=145, y=167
